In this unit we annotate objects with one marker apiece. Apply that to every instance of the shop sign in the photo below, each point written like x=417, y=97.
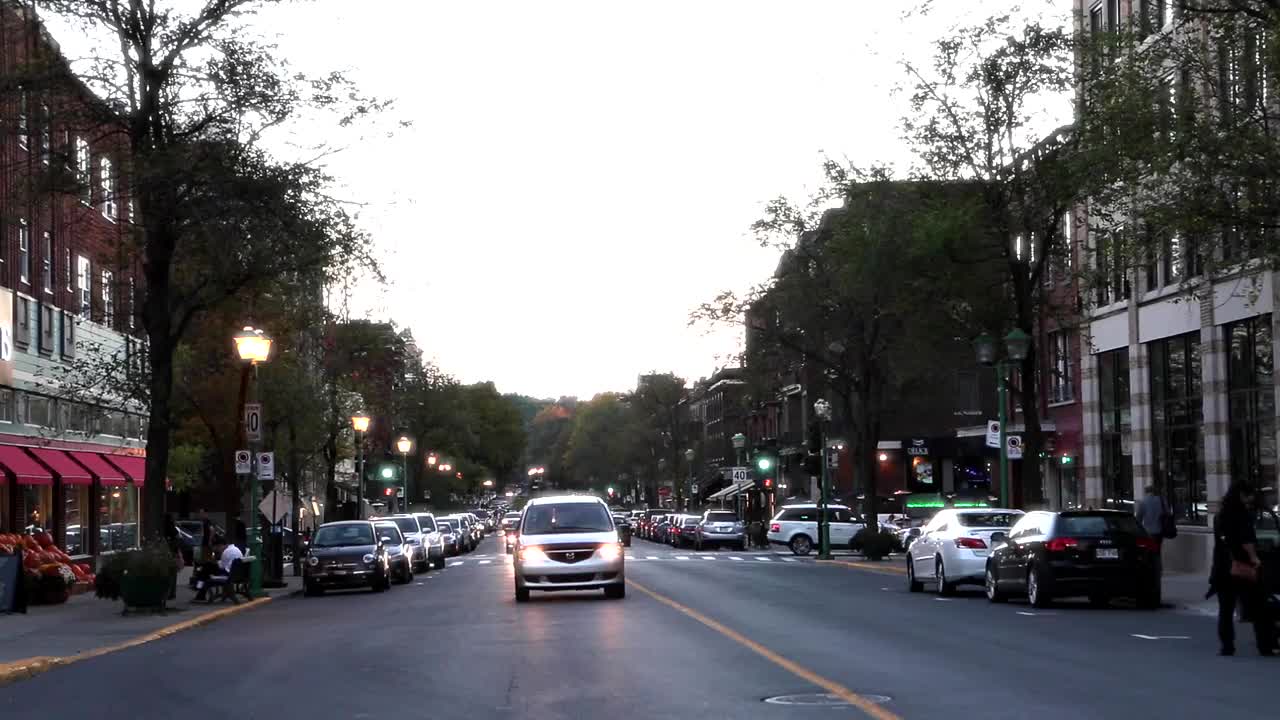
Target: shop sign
x=918, y=448
x=6, y=337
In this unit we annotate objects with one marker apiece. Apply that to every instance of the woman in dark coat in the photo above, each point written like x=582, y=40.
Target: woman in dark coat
x=1235, y=548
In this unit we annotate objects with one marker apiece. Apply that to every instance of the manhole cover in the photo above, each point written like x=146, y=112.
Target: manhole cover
x=822, y=699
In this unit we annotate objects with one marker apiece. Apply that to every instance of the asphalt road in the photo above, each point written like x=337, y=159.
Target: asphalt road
x=696, y=637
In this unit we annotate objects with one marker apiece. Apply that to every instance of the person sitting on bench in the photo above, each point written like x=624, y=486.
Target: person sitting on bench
x=227, y=554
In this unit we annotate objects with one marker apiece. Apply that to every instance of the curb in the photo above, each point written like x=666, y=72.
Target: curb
x=12, y=672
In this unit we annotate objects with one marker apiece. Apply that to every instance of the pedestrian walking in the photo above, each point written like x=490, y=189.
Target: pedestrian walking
x=1235, y=574
x=1153, y=514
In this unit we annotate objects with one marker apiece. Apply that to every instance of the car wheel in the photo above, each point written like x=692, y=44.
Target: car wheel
x=801, y=545
x=440, y=563
x=913, y=585
x=993, y=590
x=1037, y=589
x=615, y=592
x=944, y=588
x=522, y=594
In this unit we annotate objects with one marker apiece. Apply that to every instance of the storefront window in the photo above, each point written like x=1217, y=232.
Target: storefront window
x=1176, y=419
x=1251, y=401
x=77, y=522
x=117, y=518
x=37, y=504
x=1117, y=457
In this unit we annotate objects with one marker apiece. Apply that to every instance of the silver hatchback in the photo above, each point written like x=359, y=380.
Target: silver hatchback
x=568, y=543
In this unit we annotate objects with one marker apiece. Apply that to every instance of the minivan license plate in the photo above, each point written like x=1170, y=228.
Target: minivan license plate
x=1108, y=554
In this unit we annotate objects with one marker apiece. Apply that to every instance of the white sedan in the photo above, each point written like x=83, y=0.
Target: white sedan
x=953, y=547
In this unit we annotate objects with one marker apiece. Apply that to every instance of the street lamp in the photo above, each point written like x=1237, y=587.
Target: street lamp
x=360, y=423
x=252, y=347
x=431, y=460
x=487, y=483
x=822, y=411
x=404, y=445
x=739, y=443
x=1017, y=344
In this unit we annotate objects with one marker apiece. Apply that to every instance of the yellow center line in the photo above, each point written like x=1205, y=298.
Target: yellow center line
x=865, y=705
x=873, y=567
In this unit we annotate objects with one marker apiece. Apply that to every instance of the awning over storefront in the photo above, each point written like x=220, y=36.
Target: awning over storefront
x=133, y=466
x=24, y=468
x=731, y=491
x=67, y=470
x=107, y=474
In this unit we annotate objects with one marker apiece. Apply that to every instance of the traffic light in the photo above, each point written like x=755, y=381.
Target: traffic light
x=388, y=472
x=389, y=492
x=764, y=463
x=768, y=484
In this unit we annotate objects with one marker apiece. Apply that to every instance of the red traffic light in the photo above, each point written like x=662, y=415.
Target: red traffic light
x=768, y=483
x=389, y=491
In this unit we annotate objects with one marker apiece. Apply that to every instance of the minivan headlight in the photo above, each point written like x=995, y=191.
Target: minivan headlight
x=611, y=551
x=532, y=553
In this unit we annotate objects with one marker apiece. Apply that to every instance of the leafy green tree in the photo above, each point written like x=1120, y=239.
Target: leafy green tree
x=600, y=445
x=655, y=405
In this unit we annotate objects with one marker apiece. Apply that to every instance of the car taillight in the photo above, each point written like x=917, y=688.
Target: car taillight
x=971, y=543
x=1147, y=543
x=775, y=527
x=1061, y=544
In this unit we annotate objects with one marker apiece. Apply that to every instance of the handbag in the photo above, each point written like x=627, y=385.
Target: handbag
x=1244, y=571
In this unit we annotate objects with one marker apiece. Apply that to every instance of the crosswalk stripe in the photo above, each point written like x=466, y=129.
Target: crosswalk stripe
x=682, y=557
x=456, y=563
x=764, y=559
x=485, y=562
x=708, y=557
x=652, y=557
x=735, y=557
x=787, y=559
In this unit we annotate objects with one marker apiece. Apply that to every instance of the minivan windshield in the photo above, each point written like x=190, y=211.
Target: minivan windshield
x=566, y=518
x=342, y=535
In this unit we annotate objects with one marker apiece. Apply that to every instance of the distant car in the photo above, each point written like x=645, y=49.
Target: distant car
x=568, y=543
x=623, y=523
x=399, y=551
x=433, y=539
x=720, y=527
x=684, y=530
x=346, y=555
x=952, y=549
x=510, y=531
x=413, y=537
x=450, y=535
x=796, y=526
x=1097, y=554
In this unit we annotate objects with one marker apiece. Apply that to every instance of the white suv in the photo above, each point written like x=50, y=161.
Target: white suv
x=796, y=526
x=953, y=547
x=568, y=543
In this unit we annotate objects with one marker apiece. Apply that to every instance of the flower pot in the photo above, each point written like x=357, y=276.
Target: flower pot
x=144, y=591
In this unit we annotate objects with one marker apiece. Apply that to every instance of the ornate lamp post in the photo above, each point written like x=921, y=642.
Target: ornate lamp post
x=1017, y=345
x=360, y=423
x=404, y=445
x=822, y=411
x=253, y=348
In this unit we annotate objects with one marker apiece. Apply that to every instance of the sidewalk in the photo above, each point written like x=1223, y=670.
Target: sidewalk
x=85, y=622
x=1186, y=592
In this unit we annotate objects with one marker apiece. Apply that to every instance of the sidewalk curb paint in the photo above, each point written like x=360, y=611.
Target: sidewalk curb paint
x=865, y=565
x=12, y=672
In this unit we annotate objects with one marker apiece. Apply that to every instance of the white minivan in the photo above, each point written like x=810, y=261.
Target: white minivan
x=568, y=542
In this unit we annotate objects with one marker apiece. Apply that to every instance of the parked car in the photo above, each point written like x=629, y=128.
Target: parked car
x=512, y=538
x=717, y=528
x=450, y=535
x=684, y=531
x=952, y=549
x=1097, y=554
x=433, y=539
x=344, y=555
x=568, y=543
x=412, y=532
x=399, y=551
x=796, y=526
x=662, y=533
x=466, y=536
x=623, y=523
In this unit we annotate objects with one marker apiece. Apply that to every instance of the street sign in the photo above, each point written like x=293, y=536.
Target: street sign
x=739, y=474
x=993, y=434
x=275, y=506
x=693, y=489
x=253, y=422
x=833, y=458
x=266, y=466
x=1013, y=450
x=664, y=491
x=243, y=466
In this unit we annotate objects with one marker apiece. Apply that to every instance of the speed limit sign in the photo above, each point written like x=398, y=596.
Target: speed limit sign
x=253, y=422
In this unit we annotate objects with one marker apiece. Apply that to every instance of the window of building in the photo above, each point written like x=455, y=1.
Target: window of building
x=1113, y=15
x=108, y=180
x=46, y=133
x=133, y=299
x=40, y=411
x=6, y=405
x=1116, y=453
x=24, y=125
x=1251, y=401
x=108, y=303
x=84, y=170
x=24, y=251
x=76, y=519
x=1176, y=419
x=84, y=281
x=118, y=518
x=46, y=261
x=66, y=267
x=1061, y=384
x=1153, y=15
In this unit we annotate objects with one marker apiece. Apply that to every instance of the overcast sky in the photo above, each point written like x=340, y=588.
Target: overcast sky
x=581, y=174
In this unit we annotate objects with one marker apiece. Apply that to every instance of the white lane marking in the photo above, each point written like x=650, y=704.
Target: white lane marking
x=707, y=557
x=485, y=562
x=1161, y=637
x=456, y=563
x=682, y=557
x=651, y=557
x=419, y=583
x=1036, y=614
x=735, y=557
x=787, y=559
x=942, y=599
x=764, y=559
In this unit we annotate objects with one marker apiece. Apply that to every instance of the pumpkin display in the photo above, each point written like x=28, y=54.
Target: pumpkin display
x=6, y=549
x=44, y=539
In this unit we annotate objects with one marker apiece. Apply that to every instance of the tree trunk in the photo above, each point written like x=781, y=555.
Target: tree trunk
x=158, y=430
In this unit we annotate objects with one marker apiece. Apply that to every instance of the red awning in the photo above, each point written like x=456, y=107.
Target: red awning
x=132, y=465
x=107, y=474
x=69, y=472
x=26, y=470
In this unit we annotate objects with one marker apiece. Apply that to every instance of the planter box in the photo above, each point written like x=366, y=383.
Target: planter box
x=144, y=592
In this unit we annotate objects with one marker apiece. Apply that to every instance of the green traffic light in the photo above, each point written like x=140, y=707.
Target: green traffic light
x=388, y=472
x=764, y=463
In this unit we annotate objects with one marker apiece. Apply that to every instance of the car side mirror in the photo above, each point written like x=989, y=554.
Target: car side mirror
x=913, y=532
x=386, y=540
x=998, y=538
